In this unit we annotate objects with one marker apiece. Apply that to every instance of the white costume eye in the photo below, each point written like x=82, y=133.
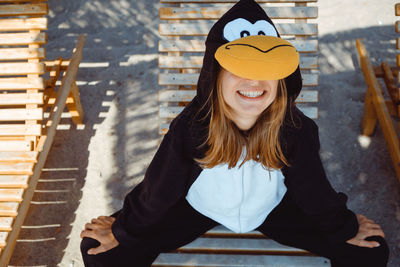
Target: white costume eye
x=240, y=27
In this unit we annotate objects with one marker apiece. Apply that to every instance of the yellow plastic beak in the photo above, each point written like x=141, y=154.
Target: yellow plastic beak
x=259, y=57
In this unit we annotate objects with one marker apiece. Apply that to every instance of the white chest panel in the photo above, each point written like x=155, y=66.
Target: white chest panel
x=238, y=198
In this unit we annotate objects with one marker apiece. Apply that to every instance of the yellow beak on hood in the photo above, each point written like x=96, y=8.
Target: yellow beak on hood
x=258, y=57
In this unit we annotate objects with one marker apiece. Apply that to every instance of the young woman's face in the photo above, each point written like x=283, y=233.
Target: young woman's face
x=247, y=98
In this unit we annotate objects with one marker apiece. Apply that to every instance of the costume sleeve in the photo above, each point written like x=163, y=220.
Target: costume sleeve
x=163, y=185
x=309, y=187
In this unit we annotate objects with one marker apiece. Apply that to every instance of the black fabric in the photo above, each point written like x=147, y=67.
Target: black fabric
x=173, y=168
x=287, y=224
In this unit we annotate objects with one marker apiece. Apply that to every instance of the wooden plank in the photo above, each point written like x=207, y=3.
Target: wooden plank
x=64, y=90
x=202, y=28
x=23, y=24
x=16, y=145
x=182, y=62
x=16, y=168
x=14, y=181
x=172, y=112
x=242, y=246
x=24, y=10
x=18, y=156
x=189, y=13
x=9, y=209
x=391, y=87
x=20, y=129
x=3, y=239
x=382, y=112
x=24, y=68
x=182, y=259
x=21, y=83
x=397, y=9
x=21, y=53
x=230, y=1
x=26, y=38
x=21, y=99
x=222, y=231
x=397, y=26
x=20, y=1
x=6, y=223
x=191, y=79
x=302, y=46
x=187, y=95
x=9, y=194
x=398, y=43
x=17, y=114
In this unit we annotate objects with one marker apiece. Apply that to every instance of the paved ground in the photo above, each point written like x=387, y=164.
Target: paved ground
x=89, y=171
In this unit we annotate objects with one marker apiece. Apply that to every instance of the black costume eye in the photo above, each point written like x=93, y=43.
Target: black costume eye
x=261, y=33
x=244, y=33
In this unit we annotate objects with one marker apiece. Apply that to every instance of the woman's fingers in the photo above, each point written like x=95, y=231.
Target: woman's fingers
x=368, y=244
x=99, y=249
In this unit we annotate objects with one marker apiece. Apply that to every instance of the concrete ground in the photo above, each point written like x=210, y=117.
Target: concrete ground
x=89, y=171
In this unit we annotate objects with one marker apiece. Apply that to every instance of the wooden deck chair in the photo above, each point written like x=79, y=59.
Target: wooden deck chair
x=376, y=106
x=27, y=90
x=184, y=26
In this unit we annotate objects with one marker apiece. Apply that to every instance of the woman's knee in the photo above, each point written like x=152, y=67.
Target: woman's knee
x=356, y=256
x=88, y=243
x=380, y=254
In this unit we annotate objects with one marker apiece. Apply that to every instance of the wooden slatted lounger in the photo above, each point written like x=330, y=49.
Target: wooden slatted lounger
x=376, y=107
x=185, y=24
x=26, y=93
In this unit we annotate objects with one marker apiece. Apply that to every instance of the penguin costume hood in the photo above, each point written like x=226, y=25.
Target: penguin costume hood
x=247, y=18
x=173, y=170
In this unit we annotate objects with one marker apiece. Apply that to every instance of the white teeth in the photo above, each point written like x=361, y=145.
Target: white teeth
x=251, y=93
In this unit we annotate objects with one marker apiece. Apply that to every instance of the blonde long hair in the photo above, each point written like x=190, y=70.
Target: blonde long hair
x=226, y=141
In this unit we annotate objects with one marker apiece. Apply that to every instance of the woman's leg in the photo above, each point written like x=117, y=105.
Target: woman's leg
x=181, y=225
x=288, y=225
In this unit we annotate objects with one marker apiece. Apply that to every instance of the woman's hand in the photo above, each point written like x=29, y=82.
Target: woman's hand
x=100, y=229
x=366, y=228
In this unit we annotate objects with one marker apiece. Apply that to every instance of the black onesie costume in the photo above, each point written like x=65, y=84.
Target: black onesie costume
x=156, y=216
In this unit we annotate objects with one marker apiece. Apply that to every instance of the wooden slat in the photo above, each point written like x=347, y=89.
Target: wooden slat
x=11, y=194
x=397, y=26
x=17, y=114
x=221, y=245
x=21, y=53
x=7, y=69
x=398, y=43
x=25, y=38
x=172, y=112
x=24, y=10
x=8, y=209
x=231, y=1
x=222, y=231
x=18, y=156
x=191, y=79
x=181, y=259
x=14, y=181
x=175, y=62
x=21, y=98
x=16, y=168
x=202, y=28
x=20, y=129
x=302, y=46
x=188, y=13
x=3, y=239
x=397, y=9
x=23, y=24
x=21, y=83
x=16, y=145
x=187, y=95
x=20, y=1
x=6, y=223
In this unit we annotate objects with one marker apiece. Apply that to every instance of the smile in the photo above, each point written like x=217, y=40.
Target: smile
x=251, y=94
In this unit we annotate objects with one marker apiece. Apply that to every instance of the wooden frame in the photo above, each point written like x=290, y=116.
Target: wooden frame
x=25, y=136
